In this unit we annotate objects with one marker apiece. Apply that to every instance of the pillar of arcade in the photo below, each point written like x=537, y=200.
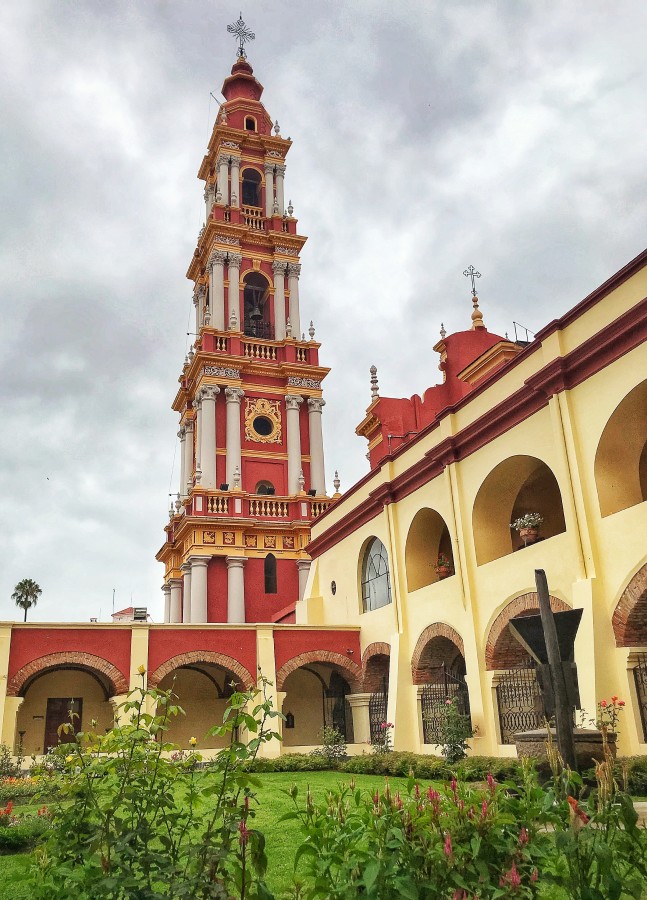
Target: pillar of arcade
x=292, y=404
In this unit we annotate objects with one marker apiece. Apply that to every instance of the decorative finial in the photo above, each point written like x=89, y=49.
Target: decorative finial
x=290, y=208
x=303, y=335
x=275, y=207
x=375, y=388
x=301, y=482
x=336, y=482
x=311, y=331
x=178, y=505
x=218, y=196
x=477, y=315
x=277, y=129
x=186, y=361
x=243, y=34
x=191, y=354
x=236, y=479
x=171, y=512
x=234, y=198
x=443, y=333
x=288, y=329
x=198, y=473
x=223, y=115
x=233, y=321
x=207, y=318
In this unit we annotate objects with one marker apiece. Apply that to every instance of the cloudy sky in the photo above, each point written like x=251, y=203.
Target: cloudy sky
x=427, y=136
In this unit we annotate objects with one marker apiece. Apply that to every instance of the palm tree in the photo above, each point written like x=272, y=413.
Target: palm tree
x=26, y=594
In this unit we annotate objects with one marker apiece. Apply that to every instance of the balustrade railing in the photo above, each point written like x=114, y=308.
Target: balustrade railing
x=254, y=218
x=317, y=507
x=259, y=351
x=273, y=509
x=218, y=504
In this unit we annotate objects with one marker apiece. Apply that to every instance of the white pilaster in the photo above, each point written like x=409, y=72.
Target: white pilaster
x=234, y=396
x=303, y=567
x=182, y=436
x=317, y=469
x=217, y=289
x=223, y=179
x=280, y=172
x=207, y=396
x=185, y=568
x=176, y=599
x=235, y=182
x=279, y=300
x=199, y=566
x=294, y=270
x=292, y=404
x=209, y=197
x=197, y=405
x=269, y=189
x=188, y=458
x=198, y=302
x=236, y=588
x=166, y=590
x=235, y=259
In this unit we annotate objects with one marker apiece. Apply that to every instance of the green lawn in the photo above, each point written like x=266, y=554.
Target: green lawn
x=282, y=840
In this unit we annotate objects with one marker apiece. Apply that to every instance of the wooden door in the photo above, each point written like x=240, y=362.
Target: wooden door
x=58, y=712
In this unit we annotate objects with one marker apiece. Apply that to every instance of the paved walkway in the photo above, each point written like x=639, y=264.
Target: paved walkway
x=641, y=808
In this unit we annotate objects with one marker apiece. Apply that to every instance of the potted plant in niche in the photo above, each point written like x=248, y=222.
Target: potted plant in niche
x=443, y=567
x=528, y=527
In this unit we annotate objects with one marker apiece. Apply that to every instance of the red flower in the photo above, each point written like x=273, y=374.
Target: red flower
x=448, y=845
x=523, y=837
x=603, y=704
x=243, y=833
x=491, y=783
x=577, y=814
x=613, y=699
x=534, y=876
x=621, y=702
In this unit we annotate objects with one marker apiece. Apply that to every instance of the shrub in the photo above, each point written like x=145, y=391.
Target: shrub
x=333, y=748
x=132, y=822
x=23, y=834
x=381, y=743
x=8, y=767
x=19, y=789
x=454, y=731
x=289, y=762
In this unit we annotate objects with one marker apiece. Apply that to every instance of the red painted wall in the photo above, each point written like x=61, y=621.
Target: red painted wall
x=288, y=644
x=217, y=589
x=261, y=607
x=166, y=643
x=275, y=470
x=28, y=644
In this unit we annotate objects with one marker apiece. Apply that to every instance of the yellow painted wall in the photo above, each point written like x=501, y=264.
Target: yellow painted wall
x=198, y=697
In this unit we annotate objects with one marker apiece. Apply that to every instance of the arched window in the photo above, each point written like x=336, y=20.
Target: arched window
x=251, y=187
x=270, y=574
x=264, y=487
x=257, y=307
x=250, y=124
x=376, y=582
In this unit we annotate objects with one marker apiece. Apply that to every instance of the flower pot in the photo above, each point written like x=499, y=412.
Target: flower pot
x=443, y=572
x=529, y=535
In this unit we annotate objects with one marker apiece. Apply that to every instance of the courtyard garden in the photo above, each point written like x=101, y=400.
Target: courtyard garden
x=126, y=815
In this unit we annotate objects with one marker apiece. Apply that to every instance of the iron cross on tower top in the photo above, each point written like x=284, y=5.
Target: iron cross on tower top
x=472, y=273
x=243, y=34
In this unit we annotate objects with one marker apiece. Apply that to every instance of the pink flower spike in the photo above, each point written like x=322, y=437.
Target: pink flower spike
x=491, y=783
x=243, y=833
x=448, y=845
x=523, y=837
x=534, y=876
x=484, y=810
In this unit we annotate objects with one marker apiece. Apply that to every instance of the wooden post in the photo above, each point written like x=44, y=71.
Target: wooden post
x=563, y=711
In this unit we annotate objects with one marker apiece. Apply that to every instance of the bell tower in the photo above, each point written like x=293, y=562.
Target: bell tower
x=250, y=399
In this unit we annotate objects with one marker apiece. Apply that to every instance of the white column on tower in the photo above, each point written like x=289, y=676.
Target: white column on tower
x=317, y=469
x=279, y=300
x=176, y=599
x=223, y=180
x=269, y=189
x=185, y=487
x=207, y=395
x=198, y=588
x=235, y=181
x=209, y=197
x=235, y=259
x=236, y=588
x=280, y=172
x=182, y=436
x=233, y=396
x=185, y=569
x=217, y=289
x=197, y=405
x=166, y=590
x=292, y=404
x=198, y=302
x=294, y=270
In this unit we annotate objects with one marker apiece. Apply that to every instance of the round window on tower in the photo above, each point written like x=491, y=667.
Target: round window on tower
x=263, y=426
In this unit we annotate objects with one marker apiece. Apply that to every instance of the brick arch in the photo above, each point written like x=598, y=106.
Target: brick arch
x=501, y=647
x=118, y=683
x=630, y=615
x=437, y=630
x=351, y=668
x=372, y=681
x=201, y=656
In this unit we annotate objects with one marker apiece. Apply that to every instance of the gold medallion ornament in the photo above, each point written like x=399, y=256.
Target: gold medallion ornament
x=262, y=421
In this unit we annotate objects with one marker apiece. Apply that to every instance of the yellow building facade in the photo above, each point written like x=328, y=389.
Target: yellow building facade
x=558, y=428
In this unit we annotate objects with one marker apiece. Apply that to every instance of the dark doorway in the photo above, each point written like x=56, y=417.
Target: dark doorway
x=58, y=712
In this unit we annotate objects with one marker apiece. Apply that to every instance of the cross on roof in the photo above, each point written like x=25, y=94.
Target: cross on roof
x=243, y=34
x=472, y=273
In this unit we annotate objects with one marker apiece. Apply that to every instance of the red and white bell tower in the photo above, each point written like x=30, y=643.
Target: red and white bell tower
x=250, y=399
